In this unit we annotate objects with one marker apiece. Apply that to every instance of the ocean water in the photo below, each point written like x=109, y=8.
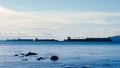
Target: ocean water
x=71, y=55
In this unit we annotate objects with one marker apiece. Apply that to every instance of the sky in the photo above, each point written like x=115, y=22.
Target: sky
x=59, y=18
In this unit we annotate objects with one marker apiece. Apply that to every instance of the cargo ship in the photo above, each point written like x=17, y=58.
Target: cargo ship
x=45, y=39
x=89, y=39
x=33, y=40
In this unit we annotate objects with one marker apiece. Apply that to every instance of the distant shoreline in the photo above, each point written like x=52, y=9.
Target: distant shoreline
x=69, y=39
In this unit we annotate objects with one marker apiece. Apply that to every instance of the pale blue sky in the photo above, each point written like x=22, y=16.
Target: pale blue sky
x=63, y=5
x=59, y=18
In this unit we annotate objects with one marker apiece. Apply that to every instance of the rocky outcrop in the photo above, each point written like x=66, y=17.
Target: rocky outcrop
x=54, y=58
x=30, y=53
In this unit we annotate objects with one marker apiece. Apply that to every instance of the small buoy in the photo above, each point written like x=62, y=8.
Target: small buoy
x=54, y=58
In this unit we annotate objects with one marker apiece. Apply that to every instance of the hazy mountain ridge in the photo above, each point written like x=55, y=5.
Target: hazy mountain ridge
x=115, y=38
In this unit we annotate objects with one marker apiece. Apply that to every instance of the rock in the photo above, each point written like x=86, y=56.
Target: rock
x=40, y=58
x=30, y=53
x=16, y=54
x=54, y=58
x=24, y=59
x=22, y=54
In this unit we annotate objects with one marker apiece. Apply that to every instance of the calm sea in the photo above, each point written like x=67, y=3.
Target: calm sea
x=71, y=54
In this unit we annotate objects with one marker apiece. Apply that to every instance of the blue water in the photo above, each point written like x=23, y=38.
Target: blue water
x=71, y=54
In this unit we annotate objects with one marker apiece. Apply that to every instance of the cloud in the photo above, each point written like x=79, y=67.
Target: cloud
x=51, y=23
x=33, y=18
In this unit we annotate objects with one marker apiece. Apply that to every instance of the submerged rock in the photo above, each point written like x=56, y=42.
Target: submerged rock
x=54, y=58
x=24, y=59
x=22, y=54
x=30, y=53
x=40, y=58
x=85, y=67
x=70, y=67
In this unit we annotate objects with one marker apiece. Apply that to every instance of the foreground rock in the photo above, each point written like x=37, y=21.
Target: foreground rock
x=16, y=54
x=54, y=58
x=22, y=55
x=41, y=58
x=30, y=53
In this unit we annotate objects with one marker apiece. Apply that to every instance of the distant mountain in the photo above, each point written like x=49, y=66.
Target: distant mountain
x=115, y=38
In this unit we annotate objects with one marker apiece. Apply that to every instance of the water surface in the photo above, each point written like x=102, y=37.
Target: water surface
x=72, y=55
